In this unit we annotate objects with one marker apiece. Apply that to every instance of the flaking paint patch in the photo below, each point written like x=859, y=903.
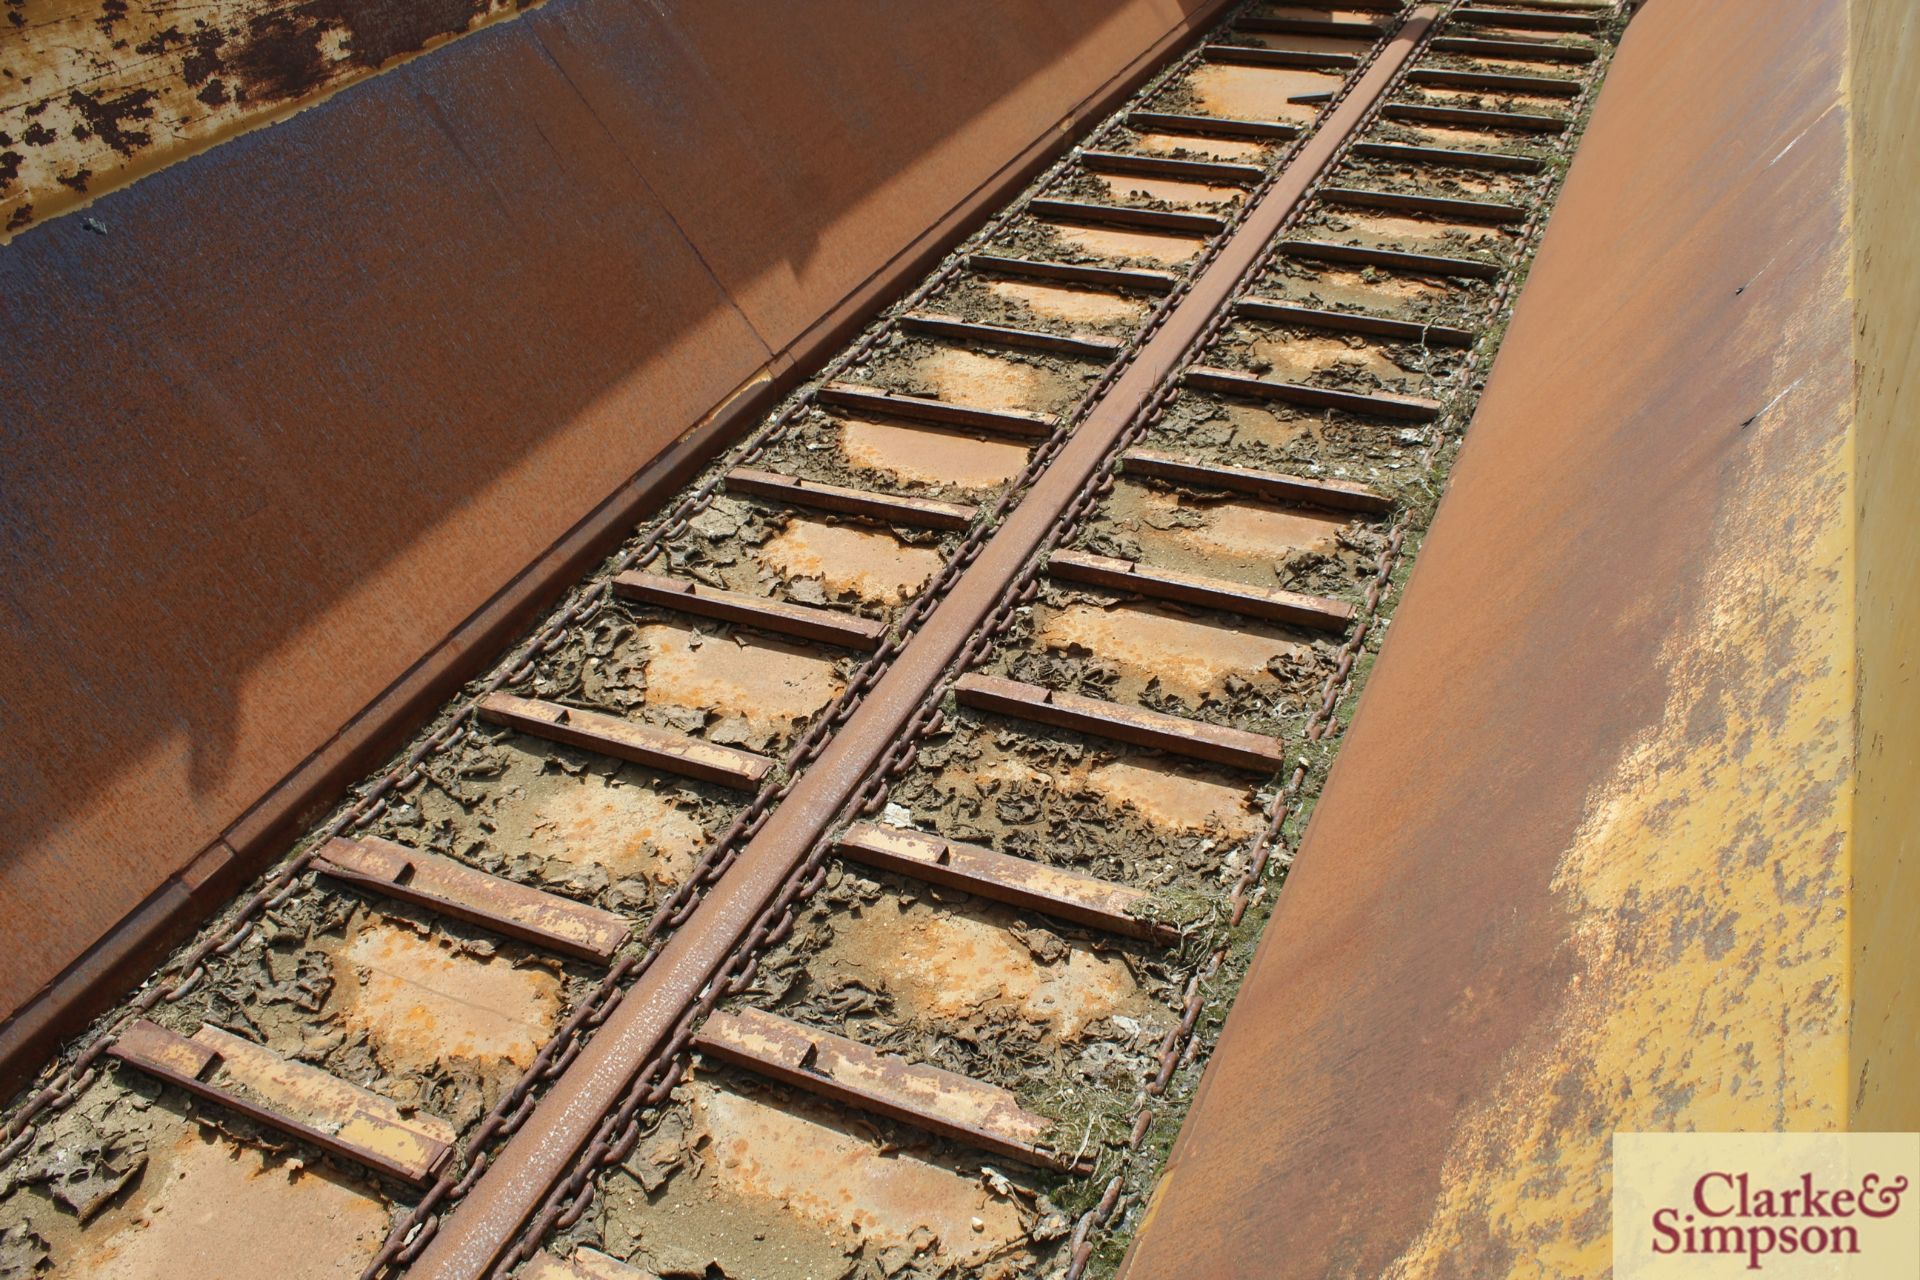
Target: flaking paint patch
x=1707, y=889
x=97, y=93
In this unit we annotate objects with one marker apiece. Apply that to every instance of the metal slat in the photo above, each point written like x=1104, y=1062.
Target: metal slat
x=1473, y=118
x=1433, y=206
x=1080, y=211
x=1427, y=335
x=643, y=744
x=1449, y=157
x=1272, y=485
x=686, y=596
x=466, y=893
x=1125, y=278
x=294, y=1098
x=1389, y=259
x=1405, y=408
x=1167, y=167
x=1270, y=603
x=1000, y=335
x=970, y=1111
x=1212, y=743
x=927, y=513
x=1213, y=126
x=1019, y=882
x=891, y=404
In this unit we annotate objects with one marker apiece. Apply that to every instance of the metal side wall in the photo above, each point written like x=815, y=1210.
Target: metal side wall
x=1884, y=99
x=1595, y=854
x=286, y=422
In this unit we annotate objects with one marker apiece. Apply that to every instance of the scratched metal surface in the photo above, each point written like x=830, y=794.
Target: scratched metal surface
x=280, y=416
x=1582, y=864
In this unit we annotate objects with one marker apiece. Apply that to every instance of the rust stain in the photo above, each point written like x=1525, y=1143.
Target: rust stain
x=179, y=1220
x=99, y=92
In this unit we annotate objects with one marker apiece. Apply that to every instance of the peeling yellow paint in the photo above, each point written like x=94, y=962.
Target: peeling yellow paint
x=1707, y=889
x=1884, y=93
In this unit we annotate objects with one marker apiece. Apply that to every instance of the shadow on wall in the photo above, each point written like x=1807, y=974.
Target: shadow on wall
x=278, y=418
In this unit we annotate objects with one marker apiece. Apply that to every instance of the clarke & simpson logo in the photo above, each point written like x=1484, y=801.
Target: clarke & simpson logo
x=1784, y=1205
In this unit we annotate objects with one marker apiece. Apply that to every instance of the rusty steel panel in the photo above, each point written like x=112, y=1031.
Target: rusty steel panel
x=1581, y=864
x=285, y=417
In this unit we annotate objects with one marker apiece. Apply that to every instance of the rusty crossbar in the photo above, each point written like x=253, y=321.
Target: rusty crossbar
x=1287, y=26
x=1168, y=167
x=1544, y=86
x=1518, y=50
x=467, y=893
x=1257, y=55
x=1272, y=485
x=292, y=1097
x=1529, y=19
x=1431, y=264
x=1475, y=118
x=938, y=326
x=1019, y=882
x=1132, y=279
x=1213, y=126
x=1448, y=157
x=1229, y=382
x=1427, y=335
x=926, y=513
x=1196, y=224
x=981, y=1115
x=659, y=749
x=1136, y=725
x=1271, y=603
x=687, y=596
x=1433, y=206
x=1022, y=423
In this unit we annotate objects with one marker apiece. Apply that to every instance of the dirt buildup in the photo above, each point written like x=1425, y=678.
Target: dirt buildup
x=425, y=1011
x=1067, y=1018
x=587, y=826
x=1043, y=306
x=738, y=1179
x=136, y=1180
x=1101, y=246
x=1328, y=358
x=1217, y=668
x=1174, y=827
x=982, y=377
x=916, y=459
x=1137, y=191
x=804, y=557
